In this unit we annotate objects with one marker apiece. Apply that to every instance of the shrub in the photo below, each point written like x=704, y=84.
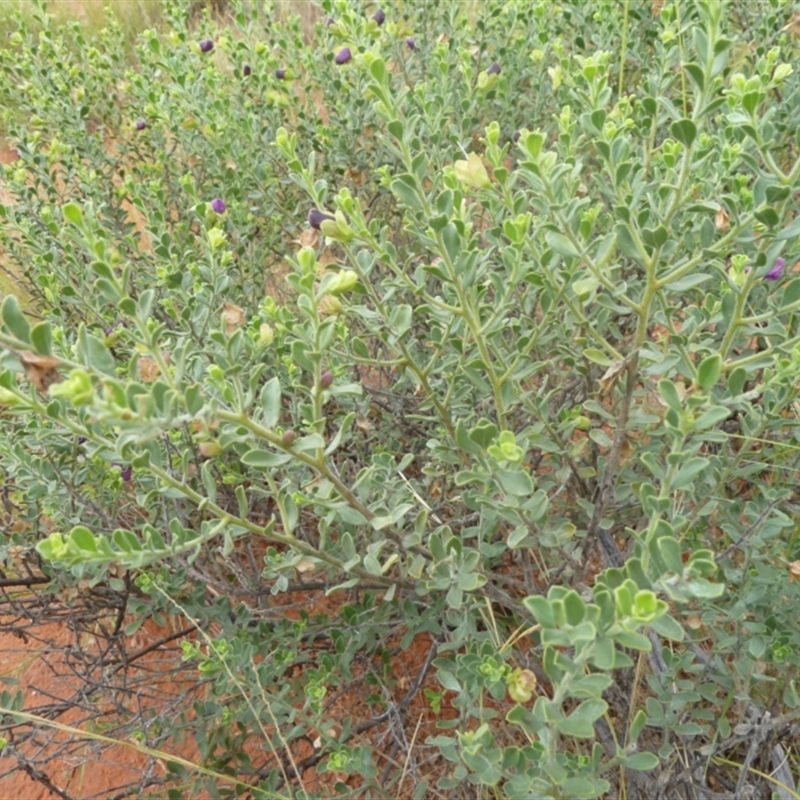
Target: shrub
x=523, y=405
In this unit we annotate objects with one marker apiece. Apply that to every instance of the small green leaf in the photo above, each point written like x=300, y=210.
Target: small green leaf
x=667, y=390
x=597, y=357
x=709, y=371
x=42, y=338
x=83, y=539
x=72, y=213
x=378, y=69
x=271, y=402
x=690, y=470
x=711, y=417
x=637, y=726
x=641, y=761
x=515, y=482
x=767, y=216
x=791, y=231
x=668, y=627
x=684, y=130
x=580, y=723
x=265, y=459
x=561, y=244
x=14, y=319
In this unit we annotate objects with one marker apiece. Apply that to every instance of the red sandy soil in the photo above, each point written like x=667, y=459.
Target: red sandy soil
x=43, y=674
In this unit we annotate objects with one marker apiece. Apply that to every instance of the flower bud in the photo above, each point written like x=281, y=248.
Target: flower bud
x=343, y=282
x=338, y=229
x=776, y=273
x=210, y=449
x=379, y=16
x=218, y=205
x=343, y=56
x=521, y=685
x=329, y=306
x=280, y=74
x=326, y=379
x=288, y=438
x=515, y=136
x=7, y=397
x=246, y=70
x=206, y=46
x=317, y=217
x=265, y=334
x=494, y=69
x=140, y=124
x=411, y=44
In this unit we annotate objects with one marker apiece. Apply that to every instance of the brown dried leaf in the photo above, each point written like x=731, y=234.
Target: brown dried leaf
x=233, y=317
x=794, y=571
x=611, y=376
x=793, y=25
x=356, y=177
x=308, y=238
x=148, y=369
x=326, y=258
x=40, y=370
x=654, y=404
x=626, y=451
x=722, y=220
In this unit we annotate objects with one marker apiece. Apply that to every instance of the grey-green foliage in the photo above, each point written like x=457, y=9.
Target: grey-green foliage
x=589, y=335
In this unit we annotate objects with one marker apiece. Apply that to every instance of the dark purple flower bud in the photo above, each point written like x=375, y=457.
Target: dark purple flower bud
x=411, y=44
x=326, y=380
x=494, y=69
x=81, y=440
x=317, y=217
x=218, y=205
x=330, y=21
x=246, y=70
x=515, y=136
x=125, y=472
x=343, y=56
x=140, y=124
x=280, y=74
x=776, y=273
x=379, y=16
x=206, y=46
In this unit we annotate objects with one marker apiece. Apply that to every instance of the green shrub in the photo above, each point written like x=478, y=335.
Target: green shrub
x=527, y=396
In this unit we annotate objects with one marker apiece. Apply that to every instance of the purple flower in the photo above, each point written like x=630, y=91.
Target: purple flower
x=317, y=217
x=379, y=16
x=776, y=273
x=494, y=69
x=140, y=124
x=411, y=44
x=125, y=472
x=206, y=46
x=515, y=136
x=280, y=74
x=330, y=21
x=246, y=70
x=218, y=205
x=343, y=56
